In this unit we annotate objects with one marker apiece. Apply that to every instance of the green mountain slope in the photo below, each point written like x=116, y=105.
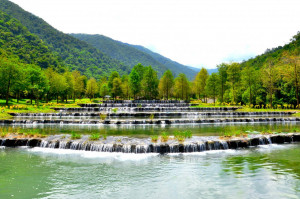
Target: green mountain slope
x=75, y=54
x=15, y=39
x=121, y=51
x=170, y=64
x=275, y=53
x=131, y=54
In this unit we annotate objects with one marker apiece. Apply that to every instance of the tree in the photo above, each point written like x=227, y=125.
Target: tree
x=222, y=70
x=291, y=71
x=57, y=83
x=91, y=88
x=111, y=78
x=269, y=77
x=181, y=87
x=104, y=90
x=9, y=74
x=134, y=83
x=249, y=81
x=150, y=83
x=125, y=86
x=166, y=84
x=200, y=82
x=38, y=82
x=70, y=82
x=233, y=75
x=117, y=88
x=78, y=84
x=212, y=86
x=140, y=69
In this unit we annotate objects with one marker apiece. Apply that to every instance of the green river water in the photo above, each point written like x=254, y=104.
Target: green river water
x=270, y=171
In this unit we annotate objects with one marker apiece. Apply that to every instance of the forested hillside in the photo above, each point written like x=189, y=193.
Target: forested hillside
x=76, y=54
x=131, y=55
x=175, y=67
x=121, y=51
x=275, y=53
x=15, y=39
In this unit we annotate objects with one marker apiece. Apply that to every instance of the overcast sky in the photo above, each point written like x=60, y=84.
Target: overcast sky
x=199, y=33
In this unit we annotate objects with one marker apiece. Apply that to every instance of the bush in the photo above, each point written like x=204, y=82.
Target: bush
x=154, y=138
x=94, y=137
x=102, y=116
x=75, y=136
x=164, y=137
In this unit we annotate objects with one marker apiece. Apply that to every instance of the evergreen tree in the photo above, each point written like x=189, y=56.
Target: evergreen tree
x=166, y=84
x=150, y=83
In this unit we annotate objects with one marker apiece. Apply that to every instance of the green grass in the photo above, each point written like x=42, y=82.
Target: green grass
x=94, y=137
x=75, y=136
x=182, y=135
x=154, y=138
x=114, y=110
x=102, y=116
x=164, y=137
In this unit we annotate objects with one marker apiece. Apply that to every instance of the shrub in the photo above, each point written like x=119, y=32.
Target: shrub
x=151, y=117
x=94, y=137
x=75, y=136
x=114, y=110
x=154, y=138
x=102, y=116
x=164, y=137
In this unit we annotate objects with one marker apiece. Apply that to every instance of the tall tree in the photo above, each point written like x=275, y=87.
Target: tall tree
x=91, y=88
x=150, y=83
x=234, y=75
x=111, y=78
x=269, y=77
x=181, y=87
x=78, y=84
x=117, y=88
x=9, y=73
x=104, y=90
x=166, y=84
x=140, y=69
x=38, y=82
x=212, y=86
x=222, y=70
x=200, y=83
x=291, y=71
x=70, y=82
x=134, y=83
x=125, y=86
x=249, y=79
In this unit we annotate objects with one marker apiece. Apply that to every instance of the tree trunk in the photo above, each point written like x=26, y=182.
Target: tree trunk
x=31, y=96
x=7, y=93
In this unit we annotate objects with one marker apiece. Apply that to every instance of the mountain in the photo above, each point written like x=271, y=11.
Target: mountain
x=75, y=54
x=133, y=54
x=121, y=51
x=275, y=53
x=15, y=39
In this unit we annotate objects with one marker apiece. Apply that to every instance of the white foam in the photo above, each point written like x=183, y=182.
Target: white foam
x=95, y=154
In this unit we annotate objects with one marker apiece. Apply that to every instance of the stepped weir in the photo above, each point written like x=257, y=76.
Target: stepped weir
x=148, y=112
x=135, y=145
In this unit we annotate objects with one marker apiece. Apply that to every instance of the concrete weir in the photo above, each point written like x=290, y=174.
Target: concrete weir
x=145, y=109
x=155, y=114
x=135, y=145
x=151, y=121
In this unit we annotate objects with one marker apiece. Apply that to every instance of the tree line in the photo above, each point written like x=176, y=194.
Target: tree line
x=275, y=83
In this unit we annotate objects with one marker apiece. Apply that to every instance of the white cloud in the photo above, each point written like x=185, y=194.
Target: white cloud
x=192, y=32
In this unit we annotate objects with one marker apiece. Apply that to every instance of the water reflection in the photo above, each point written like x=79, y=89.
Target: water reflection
x=269, y=172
